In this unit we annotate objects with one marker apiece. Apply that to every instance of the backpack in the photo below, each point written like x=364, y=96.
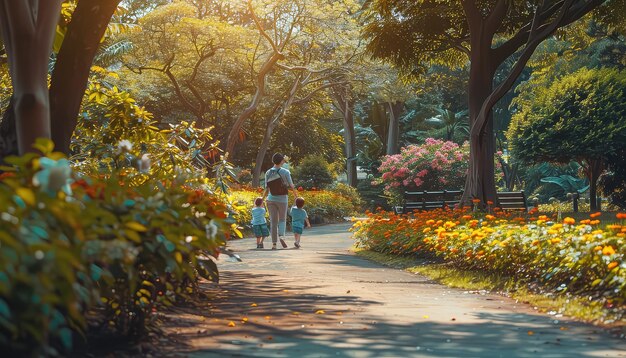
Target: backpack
x=277, y=186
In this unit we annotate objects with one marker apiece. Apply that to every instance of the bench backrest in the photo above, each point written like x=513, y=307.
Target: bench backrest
x=512, y=200
x=428, y=200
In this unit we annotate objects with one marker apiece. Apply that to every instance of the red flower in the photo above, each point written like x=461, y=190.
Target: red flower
x=300, y=188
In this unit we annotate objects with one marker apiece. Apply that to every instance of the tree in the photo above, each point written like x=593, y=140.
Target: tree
x=414, y=34
x=77, y=43
x=73, y=63
x=28, y=32
x=578, y=117
x=183, y=49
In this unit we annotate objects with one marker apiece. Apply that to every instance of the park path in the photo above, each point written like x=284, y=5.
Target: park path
x=323, y=301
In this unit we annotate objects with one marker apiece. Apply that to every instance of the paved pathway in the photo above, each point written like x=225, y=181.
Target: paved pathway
x=323, y=301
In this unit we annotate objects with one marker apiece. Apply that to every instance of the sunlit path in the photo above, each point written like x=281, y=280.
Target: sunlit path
x=323, y=301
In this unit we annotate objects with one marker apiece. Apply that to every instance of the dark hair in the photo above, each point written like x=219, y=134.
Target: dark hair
x=258, y=201
x=300, y=202
x=277, y=158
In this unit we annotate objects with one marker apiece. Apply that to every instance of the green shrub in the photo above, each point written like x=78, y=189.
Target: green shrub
x=313, y=172
x=110, y=248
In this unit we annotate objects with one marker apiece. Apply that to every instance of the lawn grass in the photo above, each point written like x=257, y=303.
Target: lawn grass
x=580, y=308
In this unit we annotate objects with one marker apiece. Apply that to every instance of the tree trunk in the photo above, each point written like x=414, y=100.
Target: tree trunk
x=350, y=141
x=71, y=72
x=594, y=169
x=27, y=32
x=393, y=133
x=256, y=100
x=8, y=133
x=480, y=182
x=260, y=157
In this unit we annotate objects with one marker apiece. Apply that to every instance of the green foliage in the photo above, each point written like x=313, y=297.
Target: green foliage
x=313, y=171
x=577, y=117
x=613, y=181
x=114, y=133
x=110, y=248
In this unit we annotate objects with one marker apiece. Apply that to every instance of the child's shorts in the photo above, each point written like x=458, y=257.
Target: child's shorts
x=261, y=230
x=297, y=229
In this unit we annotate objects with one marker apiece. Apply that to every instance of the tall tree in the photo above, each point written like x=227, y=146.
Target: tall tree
x=28, y=30
x=413, y=34
x=73, y=63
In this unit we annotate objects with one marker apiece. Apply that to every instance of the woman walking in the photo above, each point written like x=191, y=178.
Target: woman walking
x=277, y=184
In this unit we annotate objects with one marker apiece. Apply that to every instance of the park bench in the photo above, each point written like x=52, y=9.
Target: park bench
x=512, y=201
x=429, y=200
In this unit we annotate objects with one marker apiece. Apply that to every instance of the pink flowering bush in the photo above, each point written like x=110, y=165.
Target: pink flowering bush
x=434, y=165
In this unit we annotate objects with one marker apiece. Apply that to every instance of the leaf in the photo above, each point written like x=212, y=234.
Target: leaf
x=320, y=312
x=133, y=225
x=26, y=194
x=231, y=324
x=44, y=145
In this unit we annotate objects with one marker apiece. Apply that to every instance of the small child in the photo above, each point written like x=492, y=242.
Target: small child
x=259, y=225
x=298, y=219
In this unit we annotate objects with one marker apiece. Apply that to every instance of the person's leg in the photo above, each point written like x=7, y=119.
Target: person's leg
x=297, y=237
x=272, y=207
x=282, y=223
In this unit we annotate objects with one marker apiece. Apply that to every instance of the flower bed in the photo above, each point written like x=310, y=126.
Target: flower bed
x=582, y=258
x=104, y=253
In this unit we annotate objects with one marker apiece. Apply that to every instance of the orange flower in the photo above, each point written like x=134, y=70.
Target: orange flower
x=489, y=202
x=475, y=201
x=489, y=217
x=569, y=221
x=595, y=215
x=621, y=216
x=612, y=265
x=594, y=222
x=608, y=250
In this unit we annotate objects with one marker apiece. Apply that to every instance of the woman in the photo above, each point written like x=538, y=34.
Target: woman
x=277, y=184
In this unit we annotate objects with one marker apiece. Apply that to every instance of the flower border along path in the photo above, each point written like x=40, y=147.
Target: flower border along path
x=581, y=259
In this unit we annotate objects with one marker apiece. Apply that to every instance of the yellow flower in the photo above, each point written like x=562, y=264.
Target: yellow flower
x=569, y=221
x=556, y=240
x=612, y=265
x=608, y=250
x=426, y=230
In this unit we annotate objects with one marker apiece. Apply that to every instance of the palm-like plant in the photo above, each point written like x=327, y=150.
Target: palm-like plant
x=449, y=123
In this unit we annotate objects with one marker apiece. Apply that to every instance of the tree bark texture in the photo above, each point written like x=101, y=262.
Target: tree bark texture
x=480, y=183
x=8, y=133
x=593, y=169
x=393, y=132
x=28, y=30
x=71, y=72
x=349, y=137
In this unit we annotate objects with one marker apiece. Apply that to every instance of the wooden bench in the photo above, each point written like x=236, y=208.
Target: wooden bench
x=429, y=200
x=512, y=201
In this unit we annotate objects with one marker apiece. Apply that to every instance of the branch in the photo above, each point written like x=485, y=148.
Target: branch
x=474, y=18
x=497, y=16
x=257, y=22
x=481, y=121
x=318, y=89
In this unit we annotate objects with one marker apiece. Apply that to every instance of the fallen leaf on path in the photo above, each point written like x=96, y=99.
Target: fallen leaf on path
x=453, y=319
x=320, y=312
x=530, y=333
x=348, y=291
x=267, y=318
x=253, y=305
x=285, y=290
x=563, y=328
x=295, y=313
x=231, y=324
x=339, y=313
x=426, y=316
x=270, y=338
x=244, y=320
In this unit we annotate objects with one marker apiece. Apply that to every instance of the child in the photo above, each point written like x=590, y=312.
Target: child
x=298, y=218
x=259, y=225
